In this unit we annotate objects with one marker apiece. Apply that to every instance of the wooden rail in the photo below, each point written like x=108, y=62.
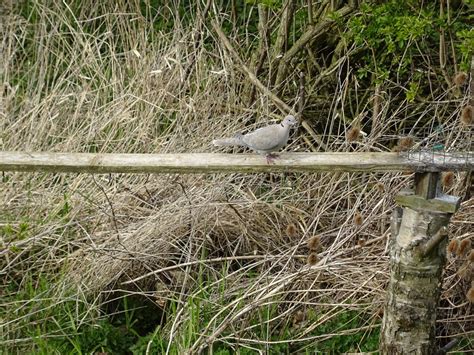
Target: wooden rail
x=226, y=163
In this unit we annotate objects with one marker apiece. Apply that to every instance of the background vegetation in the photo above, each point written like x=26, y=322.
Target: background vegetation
x=223, y=263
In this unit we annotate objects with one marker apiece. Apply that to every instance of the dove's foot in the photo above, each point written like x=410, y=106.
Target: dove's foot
x=271, y=158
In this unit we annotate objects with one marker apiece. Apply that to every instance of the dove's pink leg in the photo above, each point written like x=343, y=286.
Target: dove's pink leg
x=271, y=158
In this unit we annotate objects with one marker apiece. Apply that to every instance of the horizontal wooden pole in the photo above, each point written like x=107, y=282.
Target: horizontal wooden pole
x=226, y=163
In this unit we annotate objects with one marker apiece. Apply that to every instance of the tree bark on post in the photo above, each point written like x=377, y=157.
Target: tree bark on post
x=417, y=258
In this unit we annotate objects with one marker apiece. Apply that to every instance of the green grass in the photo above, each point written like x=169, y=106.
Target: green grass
x=73, y=326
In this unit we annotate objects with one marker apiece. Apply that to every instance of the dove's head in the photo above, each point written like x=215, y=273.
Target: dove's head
x=289, y=121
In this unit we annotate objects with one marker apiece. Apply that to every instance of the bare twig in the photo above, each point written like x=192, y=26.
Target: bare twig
x=261, y=54
x=276, y=100
x=311, y=34
x=301, y=94
x=112, y=211
x=282, y=37
x=198, y=33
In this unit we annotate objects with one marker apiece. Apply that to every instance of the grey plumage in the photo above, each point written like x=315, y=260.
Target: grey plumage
x=264, y=140
x=228, y=142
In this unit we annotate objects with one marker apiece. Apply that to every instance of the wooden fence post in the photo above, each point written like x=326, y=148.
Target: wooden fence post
x=417, y=258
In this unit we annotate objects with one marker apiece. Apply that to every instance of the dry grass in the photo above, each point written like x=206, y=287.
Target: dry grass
x=120, y=89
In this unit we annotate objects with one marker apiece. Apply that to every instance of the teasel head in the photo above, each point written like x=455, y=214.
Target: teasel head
x=291, y=230
x=312, y=259
x=460, y=78
x=471, y=256
x=353, y=133
x=380, y=187
x=470, y=294
x=361, y=241
x=464, y=247
x=448, y=179
x=465, y=271
x=467, y=115
x=358, y=219
x=298, y=317
x=453, y=246
x=406, y=143
x=314, y=243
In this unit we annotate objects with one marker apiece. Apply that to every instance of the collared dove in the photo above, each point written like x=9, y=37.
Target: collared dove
x=264, y=140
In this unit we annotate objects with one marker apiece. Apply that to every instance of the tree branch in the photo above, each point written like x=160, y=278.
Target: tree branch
x=243, y=68
x=281, y=41
x=313, y=32
x=261, y=54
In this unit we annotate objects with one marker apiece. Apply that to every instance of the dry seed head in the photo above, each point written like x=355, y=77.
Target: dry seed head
x=298, y=317
x=471, y=256
x=358, y=219
x=380, y=187
x=470, y=295
x=467, y=115
x=353, y=134
x=406, y=143
x=465, y=271
x=291, y=230
x=453, y=246
x=448, y=179
x=460, y=78
x=314, y=243
x=464, y=247
x=312, y=259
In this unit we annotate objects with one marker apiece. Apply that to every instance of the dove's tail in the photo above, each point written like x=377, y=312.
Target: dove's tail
x=227, y=142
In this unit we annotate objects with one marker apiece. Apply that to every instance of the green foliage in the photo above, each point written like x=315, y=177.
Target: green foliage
x=466, y=47
x=102, y=337
x=68, y=325
x=163, y=17
x=387, y=33
x=390, y=26
x=9, y=233
x=261, y=325
x=273, y=4
x=392, y=37
x=412, y=91
x=357, y=342
x=65, y=209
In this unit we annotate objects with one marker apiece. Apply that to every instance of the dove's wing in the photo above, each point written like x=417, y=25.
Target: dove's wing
x=267, y=139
